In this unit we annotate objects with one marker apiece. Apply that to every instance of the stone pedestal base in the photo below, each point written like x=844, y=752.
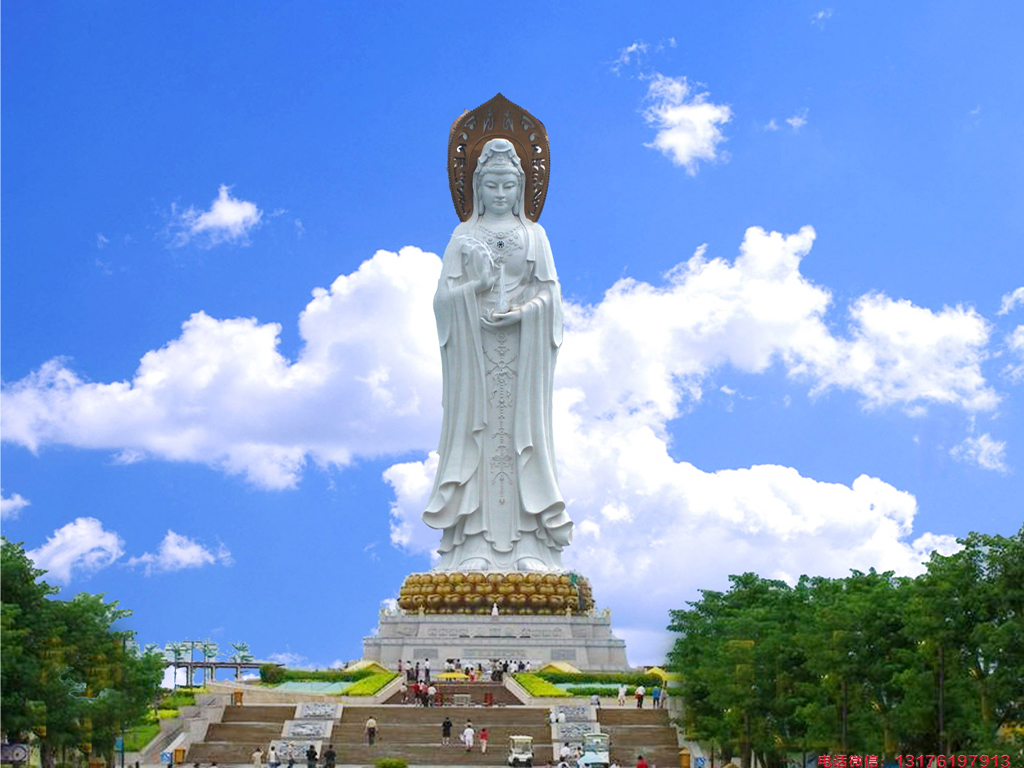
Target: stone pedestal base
x=585, y=641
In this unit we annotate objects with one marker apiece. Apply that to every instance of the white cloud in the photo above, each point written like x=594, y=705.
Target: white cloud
x=819, y=18
x=771, y=125
x=688, y=125
x=289, y=659
x=11, y=506
x=629, y=55
x=229, y=220
x=80, y=546
x=799, y=120
x=635, y=53
x=170, y=674
x=900, y=353
x=1011, y=301
x=983, y=451
x=1015, y=343
x=177, y=552
x=366, y=381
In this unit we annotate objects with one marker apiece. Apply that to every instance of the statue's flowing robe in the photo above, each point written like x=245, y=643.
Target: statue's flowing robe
x=458, y=503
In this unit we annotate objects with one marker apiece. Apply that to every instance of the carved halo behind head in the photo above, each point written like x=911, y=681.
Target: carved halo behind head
x=498, y=118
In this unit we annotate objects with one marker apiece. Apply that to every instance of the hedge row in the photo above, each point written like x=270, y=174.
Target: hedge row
x=583, y=678
x=590, y=690
x=271, y=674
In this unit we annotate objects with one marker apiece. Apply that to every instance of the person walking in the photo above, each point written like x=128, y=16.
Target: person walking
x=371, y=730
x=467, y=736
x=272, y=758
x=656, y=697
x=622, y=694
x=640, y=762
x=257, y=758
x=311, y=757
x=484, y=736
x=446, y=731
x=330, y=757
x=640, y=692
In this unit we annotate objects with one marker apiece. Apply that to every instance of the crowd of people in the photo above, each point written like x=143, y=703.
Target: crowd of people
x=490, y=669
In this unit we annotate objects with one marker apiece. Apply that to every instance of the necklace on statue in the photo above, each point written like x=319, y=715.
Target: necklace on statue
x=503, y=243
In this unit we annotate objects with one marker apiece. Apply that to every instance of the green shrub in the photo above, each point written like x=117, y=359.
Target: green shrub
x=391, y=762
x=273, y=675
x=368, y=685
x=632, y=679
x=182, y=697
x=590, y=690
x=538, y=686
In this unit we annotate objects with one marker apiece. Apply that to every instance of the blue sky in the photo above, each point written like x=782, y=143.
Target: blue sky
x=789, y=235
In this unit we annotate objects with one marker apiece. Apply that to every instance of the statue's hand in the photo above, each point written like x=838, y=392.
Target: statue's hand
x=503, y=319
x=486, y=282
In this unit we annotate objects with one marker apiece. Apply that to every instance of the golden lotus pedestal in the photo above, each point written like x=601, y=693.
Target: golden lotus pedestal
x=480, y=617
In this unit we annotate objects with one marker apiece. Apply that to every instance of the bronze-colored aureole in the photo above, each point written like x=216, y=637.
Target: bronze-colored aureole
x=498, y=118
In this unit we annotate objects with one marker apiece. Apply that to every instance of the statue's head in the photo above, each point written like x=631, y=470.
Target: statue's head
x=498, y=181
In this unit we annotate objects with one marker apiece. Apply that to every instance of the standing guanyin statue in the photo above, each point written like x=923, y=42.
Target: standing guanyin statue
x=498, y=308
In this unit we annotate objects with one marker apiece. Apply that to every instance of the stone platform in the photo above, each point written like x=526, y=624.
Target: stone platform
x=585, y=641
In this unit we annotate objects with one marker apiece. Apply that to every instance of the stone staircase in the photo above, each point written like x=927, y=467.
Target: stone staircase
x=647, y=732
x=239, y=732
x=409, y=732
x=414, y=734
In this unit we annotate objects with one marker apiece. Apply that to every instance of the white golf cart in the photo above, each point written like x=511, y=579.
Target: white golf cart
x=595, y=751
x=520, y=751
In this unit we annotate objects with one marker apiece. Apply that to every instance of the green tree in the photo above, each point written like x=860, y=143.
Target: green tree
x=740, y=669
x=871, y=663
x=69, y=676
x=967, y=615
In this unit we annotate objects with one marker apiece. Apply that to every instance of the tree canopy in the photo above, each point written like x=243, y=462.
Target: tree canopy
x=868, y=664
x=69, y=676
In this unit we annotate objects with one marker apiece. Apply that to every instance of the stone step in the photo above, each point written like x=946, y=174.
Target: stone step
x=459, y=715
x=430, y=753
x=633, y=716
x=259, y=713
x=248, y=732
x=406, y=733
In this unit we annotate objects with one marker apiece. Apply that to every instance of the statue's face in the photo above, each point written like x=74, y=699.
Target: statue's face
x=499, y=191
